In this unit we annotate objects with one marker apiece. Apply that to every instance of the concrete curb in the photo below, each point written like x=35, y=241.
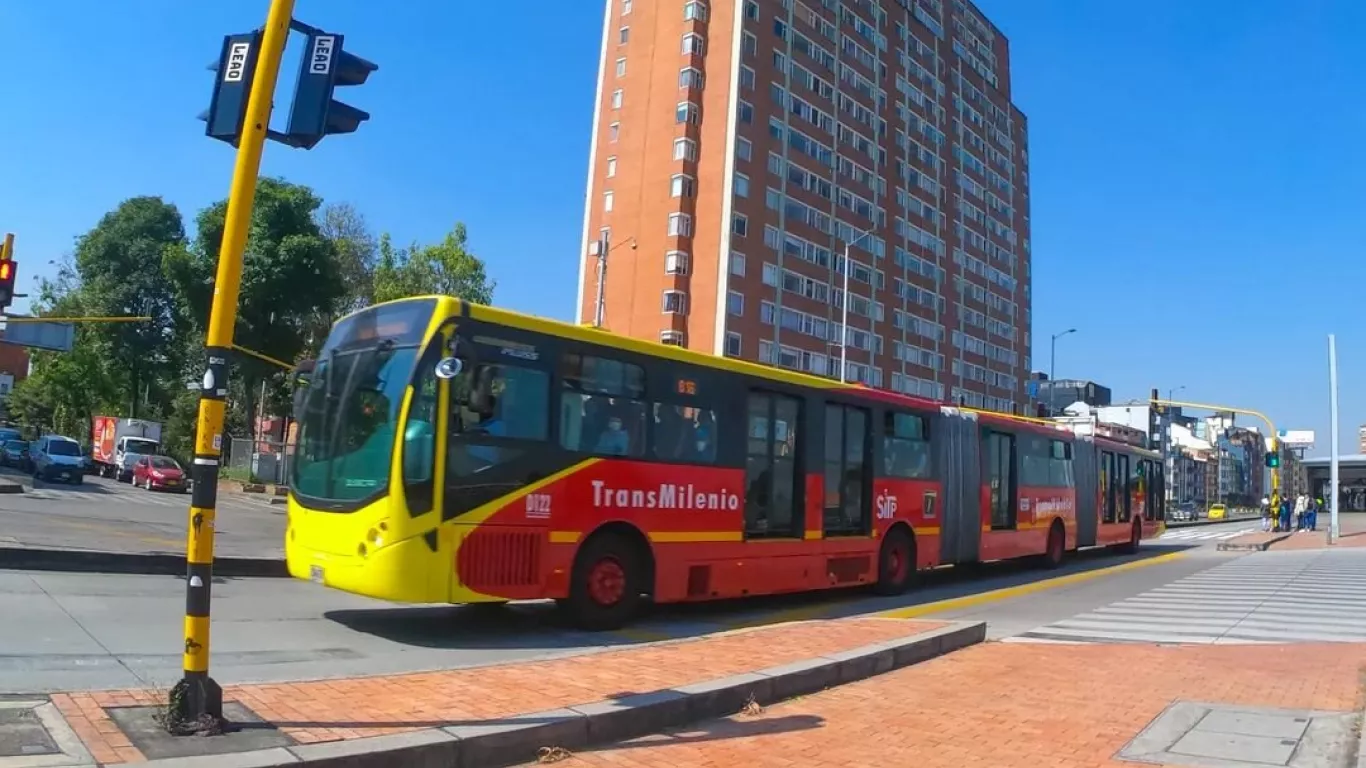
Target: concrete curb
x=141, y=563
x=10, y=487
x=518, y=739
x=1229, y=546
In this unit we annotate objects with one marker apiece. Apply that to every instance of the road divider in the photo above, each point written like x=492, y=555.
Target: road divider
x=140, y=563
x=1218, y=521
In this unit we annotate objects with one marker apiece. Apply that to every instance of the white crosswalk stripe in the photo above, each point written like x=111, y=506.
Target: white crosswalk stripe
x=1195, y=534
x=132, y=496
x=1265, y=597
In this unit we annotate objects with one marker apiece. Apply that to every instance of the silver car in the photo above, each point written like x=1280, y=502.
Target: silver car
x=57, y=459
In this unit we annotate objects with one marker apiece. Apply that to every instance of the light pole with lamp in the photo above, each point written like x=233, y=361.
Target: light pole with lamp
x=1053, y=351
x=844, y=306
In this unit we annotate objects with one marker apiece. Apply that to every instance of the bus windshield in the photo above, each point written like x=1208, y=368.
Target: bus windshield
x=348, y=411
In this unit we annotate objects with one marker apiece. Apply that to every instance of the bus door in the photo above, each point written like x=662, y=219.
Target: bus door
x=773, y=479
x=1000, y=484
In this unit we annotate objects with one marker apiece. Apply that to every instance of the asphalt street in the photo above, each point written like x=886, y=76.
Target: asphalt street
x=67, y=631
x=105, y=516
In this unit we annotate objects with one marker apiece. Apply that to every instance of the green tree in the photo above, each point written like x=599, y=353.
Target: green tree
x=446, y=268
x=290, y=276
x=118, y=272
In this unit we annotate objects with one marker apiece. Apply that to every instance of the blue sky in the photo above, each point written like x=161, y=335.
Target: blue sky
x=1196, y=166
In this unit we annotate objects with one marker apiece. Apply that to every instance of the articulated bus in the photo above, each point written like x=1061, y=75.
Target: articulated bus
x=455, y=453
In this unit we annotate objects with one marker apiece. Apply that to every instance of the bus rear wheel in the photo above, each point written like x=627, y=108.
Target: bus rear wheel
x=606, y=588
x=895, y=563
x=1056, y=547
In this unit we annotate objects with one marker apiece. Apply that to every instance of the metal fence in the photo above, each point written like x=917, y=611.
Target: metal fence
x=258, y=461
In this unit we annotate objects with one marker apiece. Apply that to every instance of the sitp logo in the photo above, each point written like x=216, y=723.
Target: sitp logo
x=886, y=506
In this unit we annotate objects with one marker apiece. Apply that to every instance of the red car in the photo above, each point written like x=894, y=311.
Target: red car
x=159, y=473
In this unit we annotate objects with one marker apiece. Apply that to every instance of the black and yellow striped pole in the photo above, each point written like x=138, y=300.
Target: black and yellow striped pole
x=197, y=698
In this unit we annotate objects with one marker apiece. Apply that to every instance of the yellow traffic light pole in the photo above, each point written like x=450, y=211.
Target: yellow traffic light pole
x=197, y=701
x=1272, y=444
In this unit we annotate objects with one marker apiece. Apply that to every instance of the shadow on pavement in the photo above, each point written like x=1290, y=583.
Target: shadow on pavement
x=539, y=625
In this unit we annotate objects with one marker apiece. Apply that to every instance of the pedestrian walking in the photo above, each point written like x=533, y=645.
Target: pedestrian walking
x=1266, y=517
x=1287, y=506
x=1301, y=512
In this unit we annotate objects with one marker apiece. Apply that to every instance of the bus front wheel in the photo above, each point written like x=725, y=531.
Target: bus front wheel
x=607, y=583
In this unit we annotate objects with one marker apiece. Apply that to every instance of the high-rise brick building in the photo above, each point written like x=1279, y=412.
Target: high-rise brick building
x=739, y=146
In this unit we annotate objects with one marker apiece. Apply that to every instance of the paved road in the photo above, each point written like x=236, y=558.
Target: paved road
x=90, y=631
x=106, y=516
x=1304, y=596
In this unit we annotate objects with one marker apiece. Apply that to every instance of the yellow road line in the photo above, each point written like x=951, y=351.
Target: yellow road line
x=1005, y=593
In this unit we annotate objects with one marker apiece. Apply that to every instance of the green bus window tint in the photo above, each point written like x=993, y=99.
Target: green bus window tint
x=493, y=409
x=906, y=447
x=419, y=438
x=349, y=422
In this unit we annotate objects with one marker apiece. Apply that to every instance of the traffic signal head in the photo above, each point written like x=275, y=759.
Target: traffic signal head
x=236, y=66
x=325, y=66
x=1273, y=459
x=9, y=270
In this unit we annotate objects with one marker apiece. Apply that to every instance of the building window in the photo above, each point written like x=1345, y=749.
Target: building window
x=751, y=44
x=607, y=198
x=741, y=185
x=693, y=44
x=621, y=67
x=744, y=149
x=746, y=78
x=739, y=224
x=687, y=112
x=672, y=338
x=625, y=7
x=616, y=99
x=737, y=263
x=676, y=263
x=611, y=167
x=623, y=35
x=680, y=225
x=746, y=112
x=685, y=149
x=695, y=11
x=690, y=77
x=732, y=344
x=681, y=186
x=735, y=303
x=676, y=302
x=751, y=10
x=613, y=132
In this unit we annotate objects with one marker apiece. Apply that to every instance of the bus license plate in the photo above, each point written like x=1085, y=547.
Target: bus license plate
x=315, y=574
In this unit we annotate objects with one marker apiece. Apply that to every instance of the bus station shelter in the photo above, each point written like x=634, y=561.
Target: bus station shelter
x=1351, y=480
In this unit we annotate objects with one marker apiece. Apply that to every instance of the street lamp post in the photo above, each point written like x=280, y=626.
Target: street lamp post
x=844, y=306
x=1053, y=351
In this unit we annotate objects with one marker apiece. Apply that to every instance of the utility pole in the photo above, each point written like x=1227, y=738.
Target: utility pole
x=844, y=308
x=1333, y=434
x=1053, y=350
x=197, y=697
x=600, y=303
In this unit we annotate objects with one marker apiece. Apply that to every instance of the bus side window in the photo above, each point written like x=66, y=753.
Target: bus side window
x=602, y=406
x=685, y=434
x=906, y=446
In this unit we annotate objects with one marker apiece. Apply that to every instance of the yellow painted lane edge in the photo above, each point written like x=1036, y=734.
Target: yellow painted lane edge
x=1005, y=593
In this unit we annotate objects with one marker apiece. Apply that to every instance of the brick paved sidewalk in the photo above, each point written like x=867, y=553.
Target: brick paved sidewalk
x=1001, y=705
x=331, y=710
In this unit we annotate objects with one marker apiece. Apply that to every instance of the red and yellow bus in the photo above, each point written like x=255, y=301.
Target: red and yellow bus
x=456, y=453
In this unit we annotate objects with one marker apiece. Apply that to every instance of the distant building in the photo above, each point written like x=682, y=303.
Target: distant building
x=1361, y=439
x=1055, y=395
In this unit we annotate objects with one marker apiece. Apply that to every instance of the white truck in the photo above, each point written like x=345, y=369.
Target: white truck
x=116, y=444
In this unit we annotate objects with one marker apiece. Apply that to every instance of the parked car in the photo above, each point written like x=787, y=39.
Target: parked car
x=159, y=473
x=57, y=458
x=14, y=454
